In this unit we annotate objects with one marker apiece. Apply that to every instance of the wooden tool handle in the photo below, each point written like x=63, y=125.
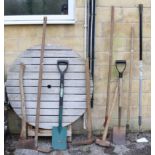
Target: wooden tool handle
x=89, y=117
x=22, y=96
x=110, y=114
x=40, y=82
x=110, y=63
x=120, y=101
x=130, y=75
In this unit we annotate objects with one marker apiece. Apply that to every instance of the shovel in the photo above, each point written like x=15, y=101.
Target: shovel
x=59, y=134
x=119, y=132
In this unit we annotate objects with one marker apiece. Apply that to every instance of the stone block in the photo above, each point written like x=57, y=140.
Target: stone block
x=146, y=112
x=122, y=3
x=98, y=111
x=102, y=58
x=103, y=14
x=99, y=30
x=101, y=86
x=146, y=124
x=55, y=30
x=75, y=43
x=102, y=44
x=11, y=45
x=97, y=123
x=76, y=30
x=80, y=3
x=80, y=14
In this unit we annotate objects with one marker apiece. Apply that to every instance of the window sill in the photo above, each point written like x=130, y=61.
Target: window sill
x=19, y=22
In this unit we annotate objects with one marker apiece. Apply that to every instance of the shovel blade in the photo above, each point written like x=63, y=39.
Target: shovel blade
x=26, y=144
x=59, y=138
x=119, y=135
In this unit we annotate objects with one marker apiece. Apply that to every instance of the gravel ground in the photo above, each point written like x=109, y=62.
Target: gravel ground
x=131, y=147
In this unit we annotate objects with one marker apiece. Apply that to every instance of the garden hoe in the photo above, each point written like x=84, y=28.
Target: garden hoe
x=103, y=142
x=119, y=132
x=90, y=138
x=23, y=143
x=59, y=134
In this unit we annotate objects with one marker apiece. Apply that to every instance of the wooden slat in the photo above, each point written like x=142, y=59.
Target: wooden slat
x=48, y=68
x=50, y=125
x=49, y=119
x=47, y=97
x=49, y=61
x=34, y=83
x=51, y=112
x=69, y=76
x=49, y=47
x=46, y=90
x=45, y=132
x=32, y=104
x=50, y=53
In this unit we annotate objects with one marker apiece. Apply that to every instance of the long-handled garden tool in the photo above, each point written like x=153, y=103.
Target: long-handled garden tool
x=39, y=148
x=40, y=83
x=119, y=132
x=90, y=138
x=140, y=63
x=130, y=78
x=110, y=64
x=23, y=142
x=59, y=134
x=103, y=142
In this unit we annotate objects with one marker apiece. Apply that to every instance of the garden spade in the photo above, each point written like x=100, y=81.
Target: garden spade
x=59, y=134
x=119, y=132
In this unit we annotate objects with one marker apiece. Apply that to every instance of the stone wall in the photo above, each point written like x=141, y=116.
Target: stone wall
x=20, y=37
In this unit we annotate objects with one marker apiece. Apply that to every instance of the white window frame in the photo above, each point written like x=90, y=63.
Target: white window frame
x=38, y=19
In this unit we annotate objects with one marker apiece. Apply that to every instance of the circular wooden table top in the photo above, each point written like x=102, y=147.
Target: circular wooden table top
x=74, y=90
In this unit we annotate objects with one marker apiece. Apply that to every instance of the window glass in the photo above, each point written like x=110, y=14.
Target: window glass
x=35, y=7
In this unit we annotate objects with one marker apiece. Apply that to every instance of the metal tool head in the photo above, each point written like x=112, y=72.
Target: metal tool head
x=26, y=144
x=103, y=143
x=84, y=142
x=119, y=135
x=44, y=149
x=120, y=66
x=59, y=138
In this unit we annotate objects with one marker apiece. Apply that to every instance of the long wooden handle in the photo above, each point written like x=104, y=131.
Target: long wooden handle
x=110, y=114
x=130, y=76
x=22, y=96
x=40, y=82
x=110, y=64
x=89, y=116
